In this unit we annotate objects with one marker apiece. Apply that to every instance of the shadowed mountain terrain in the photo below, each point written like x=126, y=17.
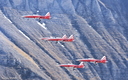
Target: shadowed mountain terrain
x=100, y=28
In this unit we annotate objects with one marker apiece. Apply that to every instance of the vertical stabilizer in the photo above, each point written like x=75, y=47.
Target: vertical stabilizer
x=71, y=37
x=48, y=14
x=103, y=58
x=64, y=37
x=82, y=63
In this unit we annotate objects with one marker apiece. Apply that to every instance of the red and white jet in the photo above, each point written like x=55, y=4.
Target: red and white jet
x=81, y=65
x=64, y=39
x=47, y=16
x=55, y=39
x=102, y=60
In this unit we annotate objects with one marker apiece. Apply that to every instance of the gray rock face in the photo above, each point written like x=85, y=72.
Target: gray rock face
x=100, y=28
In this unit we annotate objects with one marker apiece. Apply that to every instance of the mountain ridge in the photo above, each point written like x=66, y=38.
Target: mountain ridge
x=99, y=28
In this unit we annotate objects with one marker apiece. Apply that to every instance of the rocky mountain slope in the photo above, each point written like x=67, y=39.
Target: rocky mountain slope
x=100, y=28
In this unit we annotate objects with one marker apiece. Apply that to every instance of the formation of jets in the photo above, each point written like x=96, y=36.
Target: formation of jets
x=66, y=39
x=81, y=65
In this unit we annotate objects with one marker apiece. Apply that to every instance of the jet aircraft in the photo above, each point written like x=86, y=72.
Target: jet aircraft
x=47, y=16
x=54, y=39
x=81, y=65
x=64, y=39
x=102, y=60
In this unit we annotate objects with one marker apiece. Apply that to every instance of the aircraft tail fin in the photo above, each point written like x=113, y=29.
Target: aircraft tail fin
x=81, y=63
x=48, y=14
x=64, y=36
x=71, y=37
x=103, y=58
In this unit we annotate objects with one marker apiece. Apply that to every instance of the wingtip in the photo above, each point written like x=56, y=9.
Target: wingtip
x=22, y=16
x=58, y=65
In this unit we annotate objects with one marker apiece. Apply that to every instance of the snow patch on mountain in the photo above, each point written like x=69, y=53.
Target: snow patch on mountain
x=42, y=25
x=24, y=35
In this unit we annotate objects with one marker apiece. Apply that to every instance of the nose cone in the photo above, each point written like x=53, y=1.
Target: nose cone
x=79, y=60
x=23, y=16
x=43, y=39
